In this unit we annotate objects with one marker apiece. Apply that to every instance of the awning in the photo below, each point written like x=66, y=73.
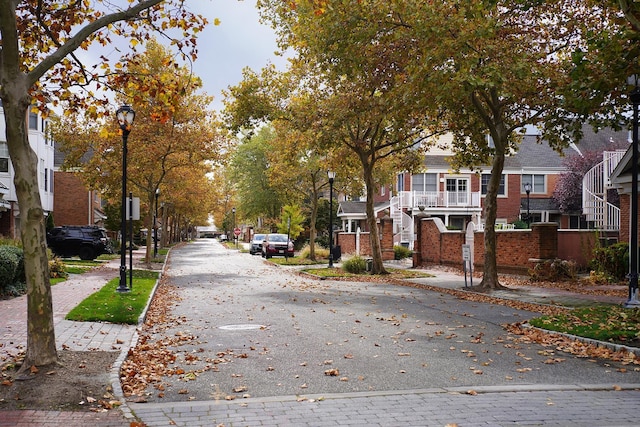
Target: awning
x=3, y=188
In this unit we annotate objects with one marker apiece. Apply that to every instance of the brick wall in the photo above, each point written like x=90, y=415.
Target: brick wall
x=516, y=250
x=347, y=241
x=70, y=200
x=625, y=215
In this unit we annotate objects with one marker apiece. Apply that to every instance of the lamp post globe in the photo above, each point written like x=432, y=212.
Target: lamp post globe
x=527, y=189
x=125, y=116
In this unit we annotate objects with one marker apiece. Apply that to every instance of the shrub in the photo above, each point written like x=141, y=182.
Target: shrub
x=520, y=225
x=401, y=252
x=613, y=261
x=553, y=270
x=320, y=252
x=57, y=268
x=19, y=274
x=356, y=265
x=9, y=263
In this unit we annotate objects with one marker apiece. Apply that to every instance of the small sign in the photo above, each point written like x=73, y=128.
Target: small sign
x=236, y=231
x=466, y=253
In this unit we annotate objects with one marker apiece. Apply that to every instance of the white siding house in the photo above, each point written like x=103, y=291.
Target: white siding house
x=42, y=145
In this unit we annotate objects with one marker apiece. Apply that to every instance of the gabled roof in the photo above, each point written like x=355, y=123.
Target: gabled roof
x=532, y=154
x=621, y=176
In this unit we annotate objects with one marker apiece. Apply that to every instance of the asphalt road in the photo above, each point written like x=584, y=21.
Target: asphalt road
x=259, y=330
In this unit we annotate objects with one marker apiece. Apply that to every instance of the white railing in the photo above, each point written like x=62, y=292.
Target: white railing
x=595, y=184
x=438, y=199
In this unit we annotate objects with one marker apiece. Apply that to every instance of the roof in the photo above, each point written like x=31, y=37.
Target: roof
x=534, y=154
x=621, y=176
x=350, y=208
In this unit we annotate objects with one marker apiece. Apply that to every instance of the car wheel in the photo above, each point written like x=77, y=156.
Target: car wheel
x=86, y=253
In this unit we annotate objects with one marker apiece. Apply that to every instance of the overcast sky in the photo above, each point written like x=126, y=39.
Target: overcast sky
x=239, y=41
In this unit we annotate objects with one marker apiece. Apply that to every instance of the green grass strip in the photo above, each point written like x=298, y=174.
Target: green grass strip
x=107, y=305
x=601, y=322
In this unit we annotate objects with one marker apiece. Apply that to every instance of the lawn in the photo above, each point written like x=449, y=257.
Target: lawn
x=107, y=305
x=611, y=323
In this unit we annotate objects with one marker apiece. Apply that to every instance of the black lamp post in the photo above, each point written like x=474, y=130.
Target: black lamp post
x=633, y=240
x=125, y=116
x=331, y=176
x=527, y=189
x=155, y=226
x=235, y=238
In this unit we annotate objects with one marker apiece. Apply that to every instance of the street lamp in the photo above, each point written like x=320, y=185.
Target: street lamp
x=155, y=227
x=633, y=241
x=235, y=238
x=527, y=189
x=331, y=176
x=125, y=116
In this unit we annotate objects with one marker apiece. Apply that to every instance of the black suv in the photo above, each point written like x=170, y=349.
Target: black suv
x=85, y=241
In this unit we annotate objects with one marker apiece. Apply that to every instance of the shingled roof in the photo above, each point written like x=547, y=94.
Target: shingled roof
x=532, y=154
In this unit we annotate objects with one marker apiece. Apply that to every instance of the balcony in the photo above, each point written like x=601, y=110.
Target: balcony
x=438, y=199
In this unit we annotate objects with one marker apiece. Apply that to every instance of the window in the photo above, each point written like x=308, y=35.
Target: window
x=43, y=174
x=4, y=157
x=383, y=190
x=485, y=184
x=537, y=183
x=400, y=182
x=33, y=120
x=424, y=182
x=46, y=179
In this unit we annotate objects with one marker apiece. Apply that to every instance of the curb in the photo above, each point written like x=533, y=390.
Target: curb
x=114, y=375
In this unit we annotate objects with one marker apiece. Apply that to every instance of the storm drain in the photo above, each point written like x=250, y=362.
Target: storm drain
x=241, y=327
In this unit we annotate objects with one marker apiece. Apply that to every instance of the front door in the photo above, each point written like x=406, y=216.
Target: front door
x=457, y=191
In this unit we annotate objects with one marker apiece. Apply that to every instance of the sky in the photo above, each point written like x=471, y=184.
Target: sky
x=239, y=41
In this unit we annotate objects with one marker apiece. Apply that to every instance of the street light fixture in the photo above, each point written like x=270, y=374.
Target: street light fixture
x=633, y=240
x=155, y=226
x=125, y=116
x=527, y=189
x=331, y=176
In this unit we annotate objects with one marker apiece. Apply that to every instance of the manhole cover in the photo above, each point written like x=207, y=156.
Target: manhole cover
x=241, y=327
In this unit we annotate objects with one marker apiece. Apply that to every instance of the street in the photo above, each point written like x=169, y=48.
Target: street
x=254, y=332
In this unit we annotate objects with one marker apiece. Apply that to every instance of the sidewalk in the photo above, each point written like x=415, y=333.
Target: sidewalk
x=74, y=336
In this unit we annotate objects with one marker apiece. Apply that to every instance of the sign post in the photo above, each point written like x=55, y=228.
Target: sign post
x=466, y=258
x=236, y=233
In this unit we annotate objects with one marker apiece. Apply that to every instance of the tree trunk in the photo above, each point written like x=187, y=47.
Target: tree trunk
x=41, y=343
x=374, y=236
x=312, y=224
x=490, y=269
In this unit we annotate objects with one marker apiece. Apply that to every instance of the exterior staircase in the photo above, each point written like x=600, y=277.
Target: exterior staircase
x=402, y=223
x=595, y=184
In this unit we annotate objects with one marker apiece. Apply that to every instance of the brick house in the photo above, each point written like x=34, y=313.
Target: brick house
x=74, y=203
x=621, y=180
x=457, y=198
x=37, y=127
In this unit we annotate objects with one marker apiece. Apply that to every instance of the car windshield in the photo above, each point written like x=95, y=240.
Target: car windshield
x=278, y=238
x=258, y=238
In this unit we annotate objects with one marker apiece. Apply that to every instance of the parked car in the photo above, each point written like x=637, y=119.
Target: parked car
x=85, y=241
x=256, y=244
x=276, y=245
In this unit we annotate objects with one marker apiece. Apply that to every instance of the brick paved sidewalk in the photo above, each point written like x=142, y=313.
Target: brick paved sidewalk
x=77, y=336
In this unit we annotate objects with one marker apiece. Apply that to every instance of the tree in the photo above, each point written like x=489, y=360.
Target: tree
x=174, y=134
x=37, y=66
x=489, y=70
x=568, y=190
x=250, y=163
x=353, y=66
x=291, y=221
